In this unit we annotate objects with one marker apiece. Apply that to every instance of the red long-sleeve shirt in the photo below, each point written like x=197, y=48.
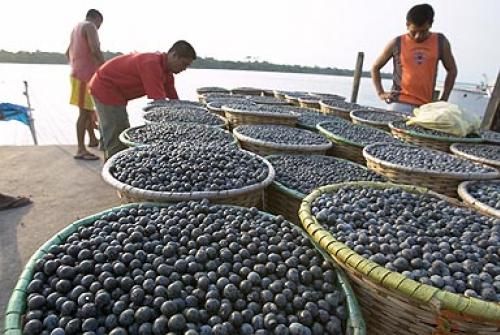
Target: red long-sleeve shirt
x=131, y=76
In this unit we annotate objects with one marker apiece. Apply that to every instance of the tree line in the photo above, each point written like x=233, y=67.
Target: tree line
x=43, y=57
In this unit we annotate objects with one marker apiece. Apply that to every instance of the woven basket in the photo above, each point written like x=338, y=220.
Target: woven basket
x=475, y=203
x=444, y=183
x=429, y=141
x=238, y=118
x=343, y=148
x=292, y=99
x=246, y=91
x=263, y=148
x=125, y=138
x=16, y=307
x=307, y=103
x=356, y=119
x=268, y=93
x=247, y=196
x=335, y=111
x=455, y=148
x=392, y=303
x=224, y=122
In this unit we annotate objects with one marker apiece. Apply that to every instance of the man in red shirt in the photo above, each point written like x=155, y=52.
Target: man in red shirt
x=131, y=76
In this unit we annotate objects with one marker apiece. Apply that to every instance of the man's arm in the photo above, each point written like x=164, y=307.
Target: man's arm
x=451, y=70
x=92, y=37
x=377, y=66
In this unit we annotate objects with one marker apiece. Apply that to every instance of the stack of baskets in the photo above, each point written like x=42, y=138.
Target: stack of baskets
x=391, y=302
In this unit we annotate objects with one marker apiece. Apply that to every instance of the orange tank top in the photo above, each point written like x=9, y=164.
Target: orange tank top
x=415, y=68
x=82, y=63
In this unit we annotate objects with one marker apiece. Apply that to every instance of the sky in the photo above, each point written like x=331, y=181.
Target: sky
x=326, y=33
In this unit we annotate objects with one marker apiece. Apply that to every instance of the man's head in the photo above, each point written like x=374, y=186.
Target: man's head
x=418, y=22
x=180, y=56
x=93, y=15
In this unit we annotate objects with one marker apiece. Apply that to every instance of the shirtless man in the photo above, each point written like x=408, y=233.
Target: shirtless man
x=85, y=57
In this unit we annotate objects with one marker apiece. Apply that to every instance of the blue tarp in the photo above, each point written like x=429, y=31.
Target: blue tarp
x=14, y=112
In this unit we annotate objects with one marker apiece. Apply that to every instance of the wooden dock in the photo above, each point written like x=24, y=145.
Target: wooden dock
x=62, y=189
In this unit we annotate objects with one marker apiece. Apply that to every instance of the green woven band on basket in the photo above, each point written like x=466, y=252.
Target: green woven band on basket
x=471, y=307
x=12, y=321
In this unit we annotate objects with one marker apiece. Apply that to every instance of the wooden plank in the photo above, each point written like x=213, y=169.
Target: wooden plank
x=491, y=119
x=358, y=71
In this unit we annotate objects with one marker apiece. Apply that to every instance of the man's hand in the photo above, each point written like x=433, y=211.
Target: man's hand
x=388, y=97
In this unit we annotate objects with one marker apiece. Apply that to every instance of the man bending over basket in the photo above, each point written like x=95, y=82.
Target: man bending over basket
x=132, y=76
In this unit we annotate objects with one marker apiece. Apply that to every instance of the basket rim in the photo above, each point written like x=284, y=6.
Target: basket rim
x=355, y=316
x=353, y=116
x=469, y=199
x=311, y=147
x=449, y=139
x=221, y=119
x=182, y=196
x=329, y=134
x=454, y=148
x=124, y=137
x=290, y=115
x=448, y=301
x=452, y=175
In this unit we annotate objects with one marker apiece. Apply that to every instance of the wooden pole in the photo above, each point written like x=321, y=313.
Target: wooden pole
x=358, y=71
x=491, y=118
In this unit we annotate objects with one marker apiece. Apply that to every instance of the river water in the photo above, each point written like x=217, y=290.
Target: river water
x=55, y=119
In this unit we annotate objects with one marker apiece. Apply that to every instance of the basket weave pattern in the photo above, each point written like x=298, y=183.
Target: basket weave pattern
x=279, y=202
x=335, y=111
x=237, y=119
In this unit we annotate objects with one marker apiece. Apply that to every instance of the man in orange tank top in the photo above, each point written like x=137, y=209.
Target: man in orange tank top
x=415, y=56
x=85, y=57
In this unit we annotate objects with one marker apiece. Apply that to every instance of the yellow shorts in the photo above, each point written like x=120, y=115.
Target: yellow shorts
x=80, y=95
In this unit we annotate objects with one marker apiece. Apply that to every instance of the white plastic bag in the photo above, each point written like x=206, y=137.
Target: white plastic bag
x=445, y=117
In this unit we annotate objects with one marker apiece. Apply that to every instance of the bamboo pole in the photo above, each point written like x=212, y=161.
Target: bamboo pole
x=358, y=71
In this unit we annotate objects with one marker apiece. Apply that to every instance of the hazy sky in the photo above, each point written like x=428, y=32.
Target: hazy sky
x=305, y=32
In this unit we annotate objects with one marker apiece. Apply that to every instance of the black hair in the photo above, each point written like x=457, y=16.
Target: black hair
x=420, y=15
x=93, y=14
x=183, y=49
